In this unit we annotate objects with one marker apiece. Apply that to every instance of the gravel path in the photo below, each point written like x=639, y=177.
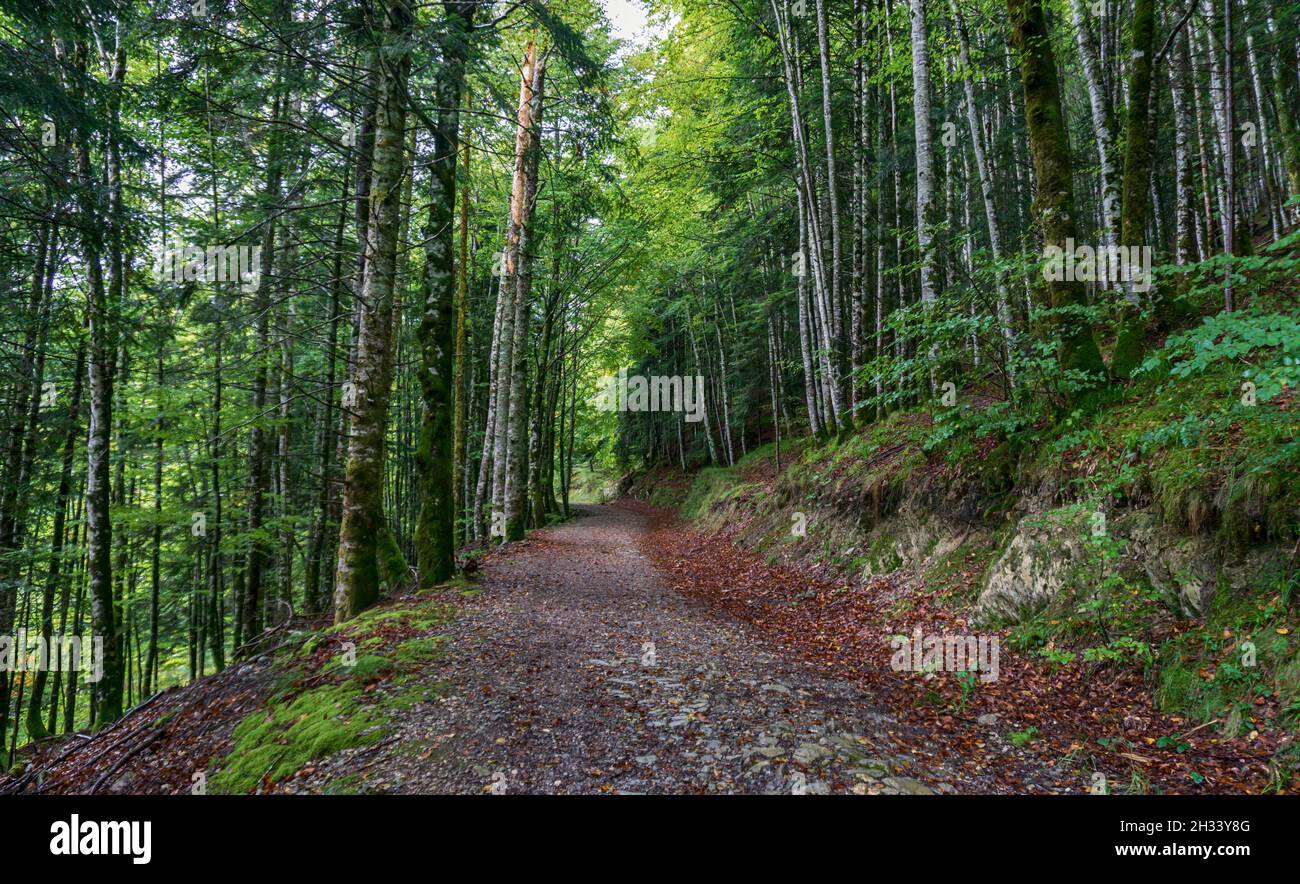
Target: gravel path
x=578, y=670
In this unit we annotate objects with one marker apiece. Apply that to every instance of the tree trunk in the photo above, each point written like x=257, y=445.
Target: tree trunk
x=924, y=149
x=530, y=119
x=985, y=173
x=458, y=465
x=362, y=529
x=1102, y=116
x=107, y=694
x=442, y=339
x=1054, y=206
x=1139, y=153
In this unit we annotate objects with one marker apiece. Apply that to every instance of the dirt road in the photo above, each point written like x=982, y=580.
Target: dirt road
x=578, y=670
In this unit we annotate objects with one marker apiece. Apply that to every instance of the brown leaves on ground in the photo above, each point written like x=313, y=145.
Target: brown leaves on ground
x=156, y=748
x=1085, y=717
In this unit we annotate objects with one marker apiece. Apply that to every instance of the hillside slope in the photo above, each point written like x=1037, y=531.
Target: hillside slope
x=1138, y=564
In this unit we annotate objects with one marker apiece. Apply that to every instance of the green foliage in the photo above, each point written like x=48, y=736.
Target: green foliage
x=709, y=484
x=1021, y=738
x=967, y=682
x=275, y=743
x=1266, y=343
x=1246, y=651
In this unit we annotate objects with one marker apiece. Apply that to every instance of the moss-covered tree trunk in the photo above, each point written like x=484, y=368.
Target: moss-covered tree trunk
x=1139, y=151
x=459, y=466
x=363, y=534
x=1054, y=204
x=1284, y=65
x=435, y=455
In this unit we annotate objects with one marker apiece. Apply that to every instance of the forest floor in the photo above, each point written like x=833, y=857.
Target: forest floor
x=580, y=669
x=575, y=664
x=1091, y=726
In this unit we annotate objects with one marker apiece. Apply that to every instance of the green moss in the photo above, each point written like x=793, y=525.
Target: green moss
x=763, y=452
x=973, y=557
x=710, y=484
x=163, y=719
x=421, y=650
x=1246, y=650
x=366, y=668
x=394, y=573
x=274, y=743
x=297, y=727
x=424, y=615
x=1208, y=463
x=883, y=555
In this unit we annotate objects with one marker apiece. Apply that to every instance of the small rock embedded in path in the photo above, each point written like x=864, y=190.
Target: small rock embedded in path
x=908, y=786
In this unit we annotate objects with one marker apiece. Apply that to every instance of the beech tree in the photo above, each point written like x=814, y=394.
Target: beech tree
x=451, y=223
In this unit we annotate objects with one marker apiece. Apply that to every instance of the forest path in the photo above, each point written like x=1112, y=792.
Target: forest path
x=552, y=686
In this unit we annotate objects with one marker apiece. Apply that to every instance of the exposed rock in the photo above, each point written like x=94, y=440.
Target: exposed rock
x=1048, y=559
x=1035, y=566
x=812, y=754
x=1191, y=569
x=908, y=786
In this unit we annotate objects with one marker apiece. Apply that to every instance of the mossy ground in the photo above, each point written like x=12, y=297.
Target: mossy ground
x=339, y=690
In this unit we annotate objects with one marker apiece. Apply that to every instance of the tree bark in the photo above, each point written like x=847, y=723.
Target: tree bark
x=107, y=693
x=522, y=212
x=1139, y=153
x=924, y=149
x=441, y=338
x=362, y=529
x=1054, y=206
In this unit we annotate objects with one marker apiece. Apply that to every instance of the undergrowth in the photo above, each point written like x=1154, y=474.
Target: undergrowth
x=339, y=690
x=1203, y=437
